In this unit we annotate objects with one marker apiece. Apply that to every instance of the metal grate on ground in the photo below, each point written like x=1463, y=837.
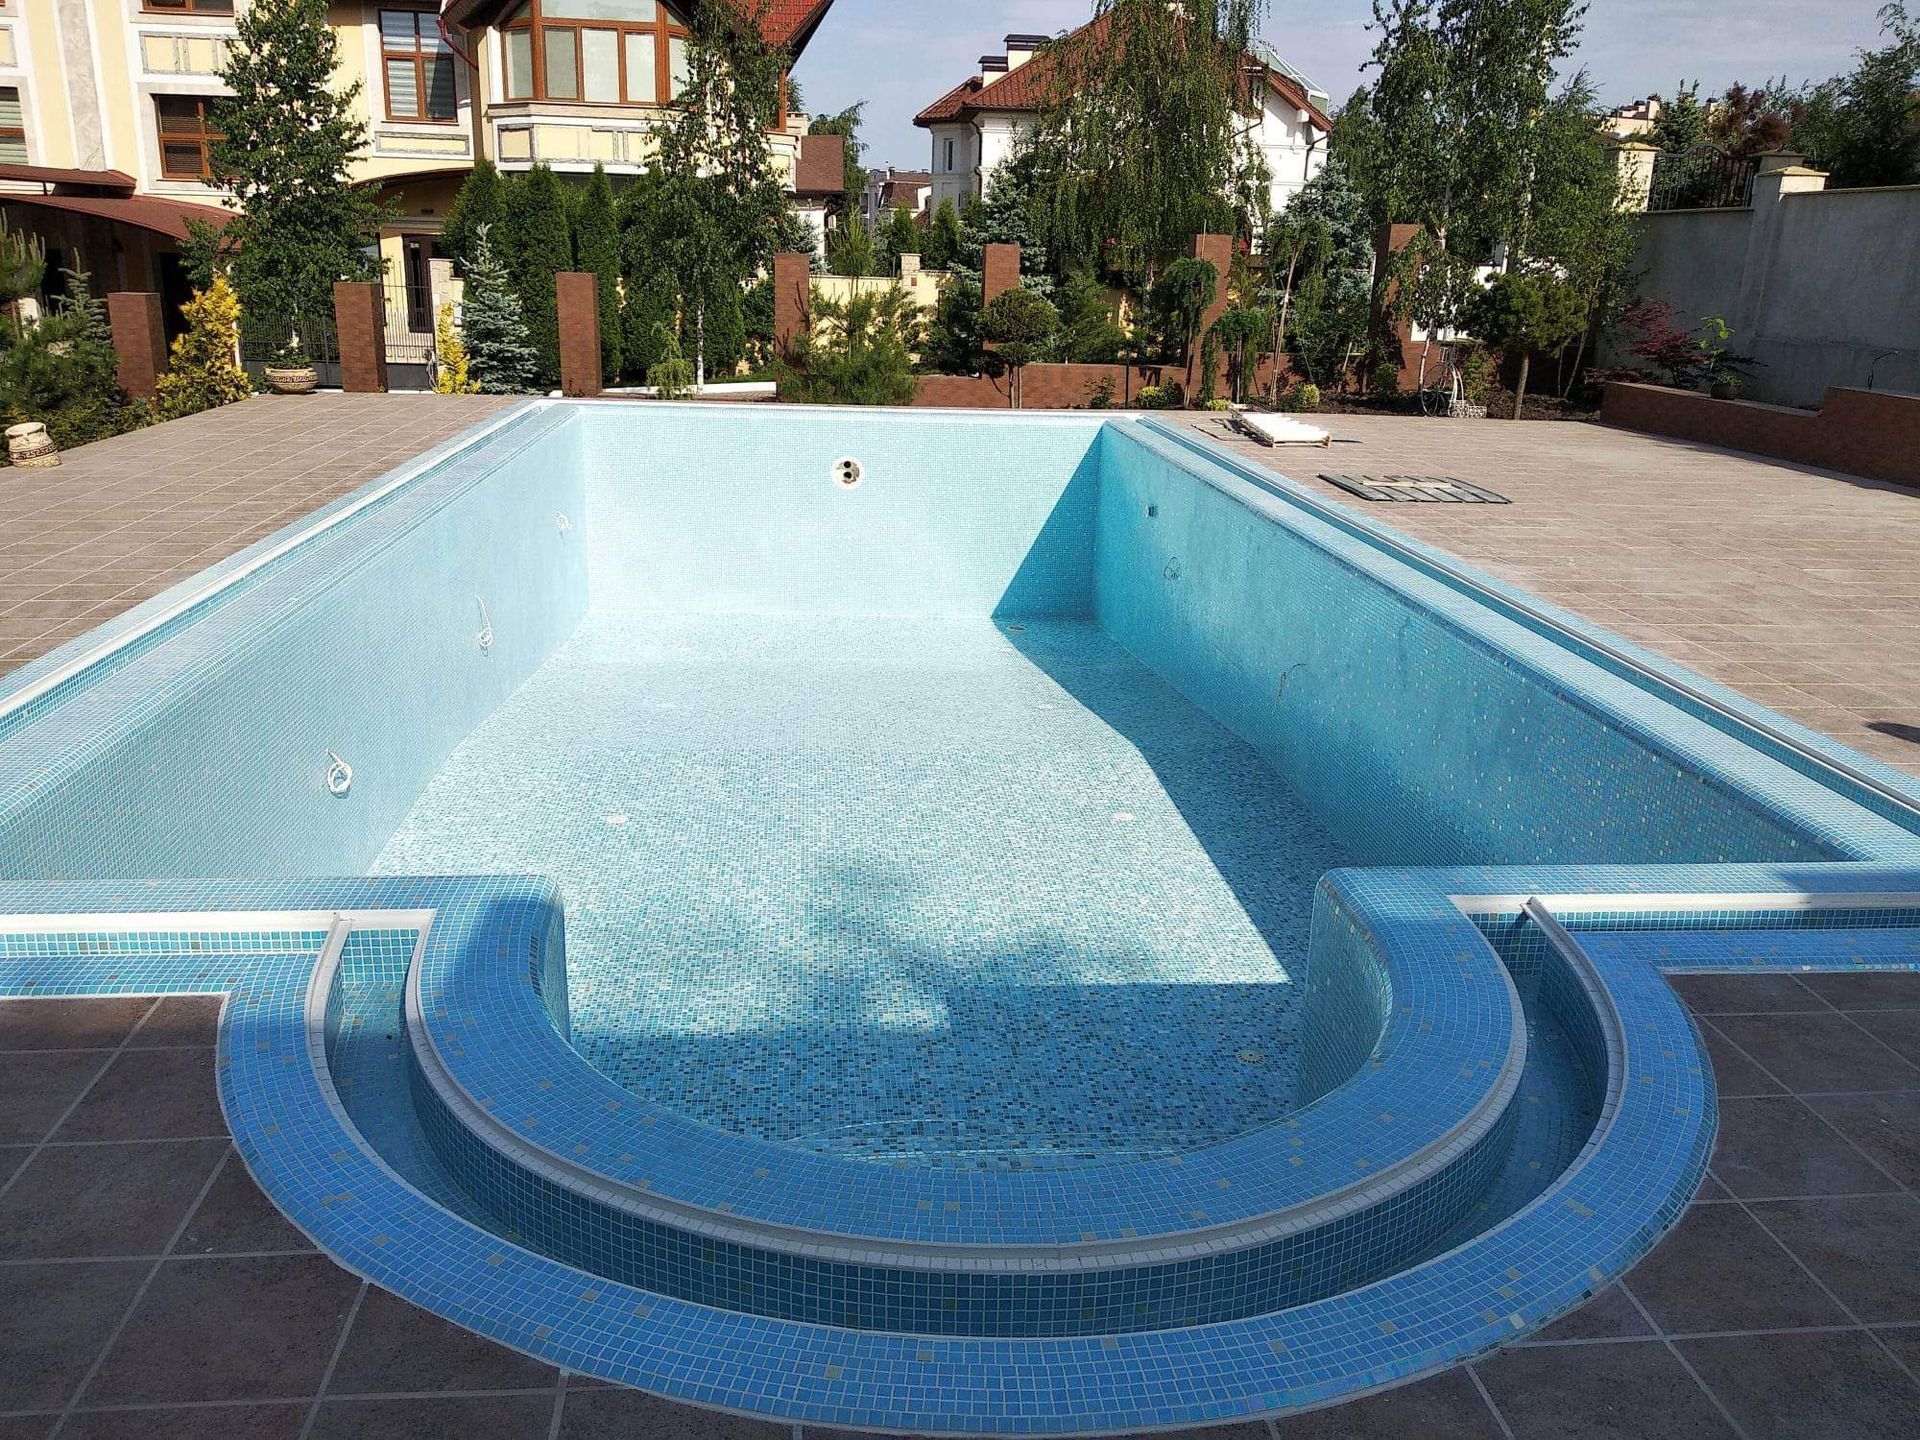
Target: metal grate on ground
x=1416, y=489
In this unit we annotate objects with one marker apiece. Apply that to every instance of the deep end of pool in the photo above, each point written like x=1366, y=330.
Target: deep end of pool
x=1071, y=935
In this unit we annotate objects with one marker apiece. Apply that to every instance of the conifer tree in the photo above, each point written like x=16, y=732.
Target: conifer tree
x=596, y=247
x=850, y=247
x=501, y=358
x=477, y=204
x=536, y=244
x=902, y=237
x=942, y=244
x=290, y=134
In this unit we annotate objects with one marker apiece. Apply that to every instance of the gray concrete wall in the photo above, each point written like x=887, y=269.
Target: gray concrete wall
x=1822, y=287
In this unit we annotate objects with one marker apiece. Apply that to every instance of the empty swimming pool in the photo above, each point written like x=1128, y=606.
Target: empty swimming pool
x=1039, y=929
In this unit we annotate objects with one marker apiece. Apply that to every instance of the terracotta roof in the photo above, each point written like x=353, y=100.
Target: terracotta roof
x=48, y=175
x=1029, y=89
x=788, y=23
x=822, y=168
x=143, y=212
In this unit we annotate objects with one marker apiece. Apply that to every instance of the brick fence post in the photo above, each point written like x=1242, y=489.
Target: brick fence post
x=1218, y=250
x=139, y=339
x=792, y=302
x=1000, y=272
x=578, y=294
x=360, y=316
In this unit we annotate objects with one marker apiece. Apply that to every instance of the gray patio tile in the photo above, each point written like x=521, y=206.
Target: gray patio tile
x=1772, y=1148
x=496, y=1417
x=1443, y=1407
x=1818, y=1054
x=235, y=1217
x=1744, y=994
x=39, y=1090
x=1863, y=1248
x=1719, y=1270
x=50, y=1024
x=1878, y=991
x=1827, y=1386
x=1624, y=1391
x=212, y=1422
x=148, y=1095
x=618, y=1414
x=396, y=1348
x=53, y=1321
x=121, y=1199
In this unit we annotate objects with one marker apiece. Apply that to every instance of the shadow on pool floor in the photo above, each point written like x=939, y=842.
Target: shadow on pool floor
x=149, y=1289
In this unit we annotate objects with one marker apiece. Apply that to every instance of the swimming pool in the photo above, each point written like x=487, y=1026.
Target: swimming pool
x=1033, y=928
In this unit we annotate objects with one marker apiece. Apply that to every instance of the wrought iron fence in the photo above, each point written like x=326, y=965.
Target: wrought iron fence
x=1703, y=178
x=410, y=308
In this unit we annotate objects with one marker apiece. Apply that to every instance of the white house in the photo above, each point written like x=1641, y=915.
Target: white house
x=892, y=189
x=975, y=126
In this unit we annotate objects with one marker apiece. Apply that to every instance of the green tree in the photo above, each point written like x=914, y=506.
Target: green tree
x=652, y=305
x=1245, y=332
x=1522, y=312
x=1179, y=302
x=1450, y=137
x=501, y=356
x=535, y=243
x=1020, y=324
x=1682, y=122
x=953, y=345
x=1864, y=128
x=902, y=237
x=1140, y=144
x=477, y=204
x=290, y=134
x=1009, y=215
x=850, y=247
x=1090, y=329
x=717, y=214
x=860, y=353
x=942, y=243
x=596, y=247
x=1320, y=276
x=23, y=266
x=201, y=371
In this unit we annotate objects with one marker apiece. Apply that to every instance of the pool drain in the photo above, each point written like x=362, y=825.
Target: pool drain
x=848, y=472
x=1252, y=1057
x=339, y=776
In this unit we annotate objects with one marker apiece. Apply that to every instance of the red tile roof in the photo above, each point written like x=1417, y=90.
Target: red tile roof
x=1029, y=89
x=788, y=23
x=87, y=179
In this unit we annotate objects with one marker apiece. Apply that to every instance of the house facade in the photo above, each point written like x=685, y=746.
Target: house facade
x=105, y=124
x=892, y=189
x=979, y=123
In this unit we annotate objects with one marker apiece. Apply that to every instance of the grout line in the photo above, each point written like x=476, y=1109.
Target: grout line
x=1486, y=1398
x=560, y=1407
x=85, y=1090
x=1684, y=1363
x=333, y=1361
x=141, y=1293
x=22, y=1261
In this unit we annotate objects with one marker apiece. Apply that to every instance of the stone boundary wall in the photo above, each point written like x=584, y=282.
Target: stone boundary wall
x=1874, y=434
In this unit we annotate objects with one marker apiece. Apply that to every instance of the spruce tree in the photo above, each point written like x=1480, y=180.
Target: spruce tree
x=902, y=237
x=477, y=204
x=536, y=244
x=290, y=134
x=942, y=245
x=596, y=247
x=850, y=247
x=501, y=357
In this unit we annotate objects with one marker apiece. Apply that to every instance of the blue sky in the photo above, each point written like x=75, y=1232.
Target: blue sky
x=900, y=54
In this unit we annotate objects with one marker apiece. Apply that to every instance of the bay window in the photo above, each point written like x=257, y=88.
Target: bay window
x=602, y=52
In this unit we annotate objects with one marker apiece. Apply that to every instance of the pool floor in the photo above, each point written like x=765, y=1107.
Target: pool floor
x=961, y=893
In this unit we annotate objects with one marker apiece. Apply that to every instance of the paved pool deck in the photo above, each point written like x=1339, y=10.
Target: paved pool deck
x=1797, y=587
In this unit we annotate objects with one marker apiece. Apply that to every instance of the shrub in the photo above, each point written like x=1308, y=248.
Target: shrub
x=1306, y=396
x=596, y=247
x=1171, y=396
x=1100, y=394
x=203, y=372
x=61, y=372
x=1386, y=380
x=671, y=374
x=1020, y=323
x=861, y=353
x=452, y=374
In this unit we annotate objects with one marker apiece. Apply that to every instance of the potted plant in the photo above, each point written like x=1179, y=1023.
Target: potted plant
x=290, y=371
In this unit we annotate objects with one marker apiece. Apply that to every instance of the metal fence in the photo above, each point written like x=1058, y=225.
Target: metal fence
x=1703, y=178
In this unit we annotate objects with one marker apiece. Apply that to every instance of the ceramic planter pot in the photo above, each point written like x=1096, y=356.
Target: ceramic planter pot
x=30, y=447
x=292, y=379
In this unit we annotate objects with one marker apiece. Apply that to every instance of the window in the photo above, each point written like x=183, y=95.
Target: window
x=419, y=66
x=603, y=52
x=13, y=127
x=189, y=7
x=949, y=156
x=187, y=136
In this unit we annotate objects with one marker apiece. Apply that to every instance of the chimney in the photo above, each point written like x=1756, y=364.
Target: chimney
x=1020, y=49
x=992, y=67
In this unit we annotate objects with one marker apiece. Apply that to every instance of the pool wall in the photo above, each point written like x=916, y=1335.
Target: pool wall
x=955, y=517
x=207, y=751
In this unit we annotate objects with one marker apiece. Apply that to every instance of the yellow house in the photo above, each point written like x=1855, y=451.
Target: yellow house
x=105, y=126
